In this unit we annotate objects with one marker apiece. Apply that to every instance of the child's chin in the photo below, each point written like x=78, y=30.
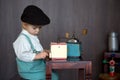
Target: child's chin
x=34, y=34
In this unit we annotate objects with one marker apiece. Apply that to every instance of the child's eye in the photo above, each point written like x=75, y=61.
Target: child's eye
x=34, y=28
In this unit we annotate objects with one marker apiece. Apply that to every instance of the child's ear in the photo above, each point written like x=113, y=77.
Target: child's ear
x=24, y=24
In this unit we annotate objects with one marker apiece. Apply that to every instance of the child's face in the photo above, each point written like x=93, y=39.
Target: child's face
x=32, y=29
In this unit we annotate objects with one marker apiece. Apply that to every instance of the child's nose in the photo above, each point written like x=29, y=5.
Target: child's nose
x=37, y=29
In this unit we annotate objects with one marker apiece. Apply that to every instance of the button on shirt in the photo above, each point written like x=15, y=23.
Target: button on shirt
x=23, y=48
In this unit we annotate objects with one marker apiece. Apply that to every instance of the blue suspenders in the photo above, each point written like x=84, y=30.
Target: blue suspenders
x=32, y=47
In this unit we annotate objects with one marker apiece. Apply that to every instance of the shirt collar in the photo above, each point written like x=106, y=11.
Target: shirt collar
x=27, y=33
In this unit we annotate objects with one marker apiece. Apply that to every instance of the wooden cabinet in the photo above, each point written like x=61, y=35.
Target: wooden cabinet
x=107, y=57
x=106, y=76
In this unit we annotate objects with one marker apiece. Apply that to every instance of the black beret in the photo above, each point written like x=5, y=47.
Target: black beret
x=35, y=16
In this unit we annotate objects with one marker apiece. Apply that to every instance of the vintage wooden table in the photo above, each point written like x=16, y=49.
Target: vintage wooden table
x=61, y=64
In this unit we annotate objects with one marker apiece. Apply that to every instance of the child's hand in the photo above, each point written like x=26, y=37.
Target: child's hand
x=47, y=57
x=41, y=55
x=48, y=51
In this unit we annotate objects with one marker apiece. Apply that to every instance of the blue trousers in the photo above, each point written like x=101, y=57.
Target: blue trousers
x=55, y=75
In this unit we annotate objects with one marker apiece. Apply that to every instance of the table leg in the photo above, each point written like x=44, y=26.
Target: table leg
x=81, y=74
